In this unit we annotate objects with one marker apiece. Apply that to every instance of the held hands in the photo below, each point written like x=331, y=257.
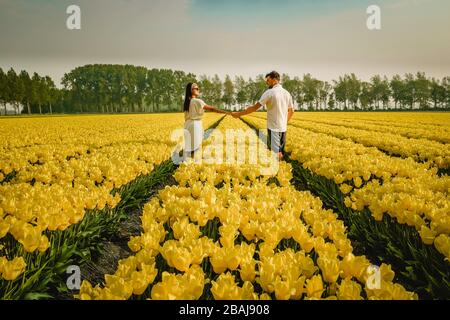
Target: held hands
x=233, y=114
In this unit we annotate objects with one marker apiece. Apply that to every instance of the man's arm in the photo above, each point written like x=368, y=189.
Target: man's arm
x=249, y=110
x=290, y=113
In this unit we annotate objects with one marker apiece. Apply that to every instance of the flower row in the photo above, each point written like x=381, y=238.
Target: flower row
x=435, y=153
x=431, y=126
x=248, y=236
x=406, y=190
x=56, y=194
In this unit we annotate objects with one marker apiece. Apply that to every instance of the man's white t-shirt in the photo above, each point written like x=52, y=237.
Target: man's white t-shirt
x=277, y=101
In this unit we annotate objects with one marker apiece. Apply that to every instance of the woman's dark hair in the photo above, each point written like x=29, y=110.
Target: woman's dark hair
x=187, y=97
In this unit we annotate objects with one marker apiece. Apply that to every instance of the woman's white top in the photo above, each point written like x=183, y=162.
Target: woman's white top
x=195, y=110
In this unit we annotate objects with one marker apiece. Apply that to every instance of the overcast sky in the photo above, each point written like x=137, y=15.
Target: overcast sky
x=326, y=38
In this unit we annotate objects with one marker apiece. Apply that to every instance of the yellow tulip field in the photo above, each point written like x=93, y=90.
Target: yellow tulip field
x=358, y=209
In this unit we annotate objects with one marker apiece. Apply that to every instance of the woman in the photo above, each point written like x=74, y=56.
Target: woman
x=193, y=112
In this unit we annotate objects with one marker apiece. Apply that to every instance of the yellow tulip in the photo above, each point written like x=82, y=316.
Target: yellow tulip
x=247, y=292
x=225, y=288
x=118, y=286
x=3, y=261
x=427, y=235
x=442, y=244
x=44, y=244
x=267, y=274
x=31, y=239
x=10, y=270
x=247, y=271
x=135, y=243
x=4, y=227
x=345, y=188
x=181, y=259
x=399, y=293
x=352, y=266
x=282, y=289
x=168, y=289
x=265, y=296
x=349, y=290
x=266, y=249
x=314, y=287
x=329, y=268
x=307, y=265
x=140, y=280
x=219, y=262
x=108, y=294
x=357, y=182
x=386, y=272
x=298, y=287
x=86, y=291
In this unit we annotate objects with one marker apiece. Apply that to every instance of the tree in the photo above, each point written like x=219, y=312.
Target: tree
x=206, y=89
x=241, y=92
x=4, y=89
x=437, y=93
x=446, y=84
x=256, y=88
x=51, y=92
x=293, y=86
x=380, y=91
x=354, y=89
x=324, y=92
x=366, y=96
x=38, y=94
x=15, y=89
x=341, y=90
x=332, y=102
x=27, y=96
x=228, y=96
x=217, y=88
x=423, y=89
x=310, y=88
x=397, y=87
x=410, y=90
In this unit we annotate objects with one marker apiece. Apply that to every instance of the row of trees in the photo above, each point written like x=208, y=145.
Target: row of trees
x=124, y=88
x=36, y=94
x=127, y=88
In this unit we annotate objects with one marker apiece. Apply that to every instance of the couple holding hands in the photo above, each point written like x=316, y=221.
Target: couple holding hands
x=277, y=100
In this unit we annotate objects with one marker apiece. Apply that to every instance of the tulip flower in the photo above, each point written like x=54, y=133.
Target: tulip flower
x=118, y=286
x=442, y=244
x=329, y=268
x=11, y=270
x=427, y=235
x=314, y=287
x=349, y=290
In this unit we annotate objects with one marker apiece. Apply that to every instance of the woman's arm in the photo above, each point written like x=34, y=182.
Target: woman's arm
x=214, y=109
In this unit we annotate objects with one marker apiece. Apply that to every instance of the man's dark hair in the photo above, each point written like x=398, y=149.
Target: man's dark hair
x=273, y=75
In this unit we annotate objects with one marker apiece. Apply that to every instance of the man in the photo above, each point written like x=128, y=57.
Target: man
x=280, y=109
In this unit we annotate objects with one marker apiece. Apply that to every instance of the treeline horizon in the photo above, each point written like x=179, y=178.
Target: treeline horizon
x=106, y=88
